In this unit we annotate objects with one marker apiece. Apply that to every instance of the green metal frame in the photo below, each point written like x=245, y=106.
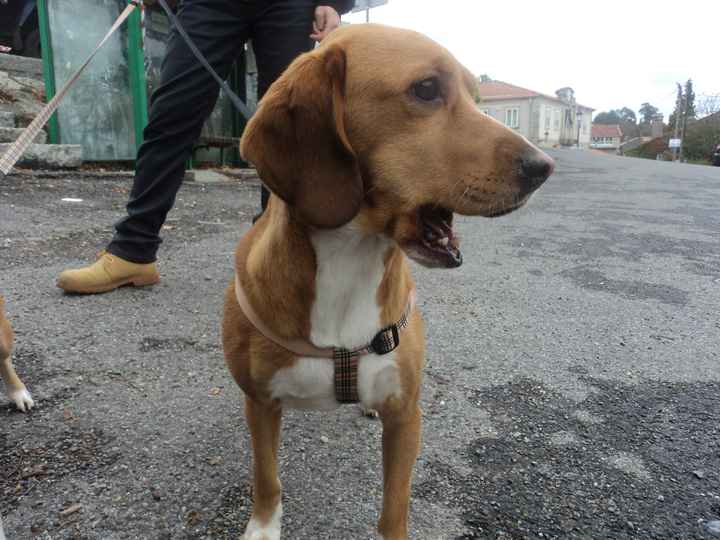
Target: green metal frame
x=138, y=83
x=48, y=69
x=136, y=65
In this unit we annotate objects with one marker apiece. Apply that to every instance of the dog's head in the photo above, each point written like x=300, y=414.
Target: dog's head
x=380, y=126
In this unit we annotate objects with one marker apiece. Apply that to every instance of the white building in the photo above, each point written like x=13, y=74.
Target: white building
x=543, y=119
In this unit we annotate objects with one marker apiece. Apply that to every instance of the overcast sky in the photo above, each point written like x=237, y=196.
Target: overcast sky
x=612, y=53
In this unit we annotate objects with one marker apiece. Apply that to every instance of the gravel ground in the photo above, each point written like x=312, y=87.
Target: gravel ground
x=572, y=387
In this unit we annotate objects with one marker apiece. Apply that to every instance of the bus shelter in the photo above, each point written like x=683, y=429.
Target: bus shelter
x=107, y=109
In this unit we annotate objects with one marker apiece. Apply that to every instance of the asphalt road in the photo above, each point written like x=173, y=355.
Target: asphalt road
x=572, y=387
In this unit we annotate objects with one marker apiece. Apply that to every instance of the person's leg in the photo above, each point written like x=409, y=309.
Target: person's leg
x=179, y=108
x=280, y=33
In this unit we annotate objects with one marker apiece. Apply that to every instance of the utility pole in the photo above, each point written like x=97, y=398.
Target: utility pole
x=686, y=107
x=678, y=108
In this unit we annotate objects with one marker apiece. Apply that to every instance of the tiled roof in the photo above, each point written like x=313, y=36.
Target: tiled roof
x=606, y=130
x=499, y=90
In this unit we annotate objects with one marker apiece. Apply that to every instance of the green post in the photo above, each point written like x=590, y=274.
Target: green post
x=136, y=65
x=48, y=67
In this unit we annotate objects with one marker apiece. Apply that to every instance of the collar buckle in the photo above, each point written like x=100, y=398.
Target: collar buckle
x=386, y=340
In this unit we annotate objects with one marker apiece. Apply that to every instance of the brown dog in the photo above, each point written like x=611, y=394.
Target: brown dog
x=16, y=389
x=370, y=143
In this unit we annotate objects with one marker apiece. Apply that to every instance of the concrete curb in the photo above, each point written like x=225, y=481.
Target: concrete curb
x=49, y=156
x=21, y=66
x=229, y=176
x=10, y=134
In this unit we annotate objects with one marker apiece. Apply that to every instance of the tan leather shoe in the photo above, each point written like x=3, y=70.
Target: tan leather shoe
x=107, y=273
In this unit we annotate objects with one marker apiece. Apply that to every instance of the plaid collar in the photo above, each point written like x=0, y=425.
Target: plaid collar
x=345, y=361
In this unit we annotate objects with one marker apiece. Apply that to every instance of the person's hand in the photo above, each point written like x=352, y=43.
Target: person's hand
x=326, y=20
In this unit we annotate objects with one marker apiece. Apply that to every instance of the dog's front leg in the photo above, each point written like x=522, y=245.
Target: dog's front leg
x=264, y=423
x=16, y=390
x=400, y=444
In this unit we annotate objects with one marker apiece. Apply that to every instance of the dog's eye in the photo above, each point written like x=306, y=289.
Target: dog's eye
x=427, y=89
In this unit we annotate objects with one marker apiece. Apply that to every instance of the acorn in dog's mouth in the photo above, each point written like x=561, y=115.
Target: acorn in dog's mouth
x=435, y=245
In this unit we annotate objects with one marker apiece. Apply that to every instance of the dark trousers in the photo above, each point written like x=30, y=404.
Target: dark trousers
x=279, y=30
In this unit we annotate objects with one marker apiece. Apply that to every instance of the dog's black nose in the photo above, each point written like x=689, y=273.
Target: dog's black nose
x=535, y=167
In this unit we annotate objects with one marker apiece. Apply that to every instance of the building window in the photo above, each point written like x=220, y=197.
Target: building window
x=512, y=119
x=611, y=141
x=547, y=118
x=556, y=119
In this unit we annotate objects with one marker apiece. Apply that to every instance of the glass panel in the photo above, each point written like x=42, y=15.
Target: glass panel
x=157, y=30
x=97, y=113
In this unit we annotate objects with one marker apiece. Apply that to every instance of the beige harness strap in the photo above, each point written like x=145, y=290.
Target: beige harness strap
x=300, y=347
x=385, y=341
x=345, y=361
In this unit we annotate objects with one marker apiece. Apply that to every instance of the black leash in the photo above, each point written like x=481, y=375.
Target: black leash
x=239, y=104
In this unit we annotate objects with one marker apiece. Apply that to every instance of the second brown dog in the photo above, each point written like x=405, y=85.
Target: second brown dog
x=17, y=392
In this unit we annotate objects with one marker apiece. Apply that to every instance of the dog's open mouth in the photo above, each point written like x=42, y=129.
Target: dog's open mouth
x=436, y=245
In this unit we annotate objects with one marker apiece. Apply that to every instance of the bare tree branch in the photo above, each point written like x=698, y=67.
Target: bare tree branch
x=708, y=104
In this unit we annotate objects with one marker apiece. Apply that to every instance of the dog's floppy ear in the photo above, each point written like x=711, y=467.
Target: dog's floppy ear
x=298, y=144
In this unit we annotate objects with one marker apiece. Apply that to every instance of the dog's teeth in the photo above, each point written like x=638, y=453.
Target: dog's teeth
x=443, y=241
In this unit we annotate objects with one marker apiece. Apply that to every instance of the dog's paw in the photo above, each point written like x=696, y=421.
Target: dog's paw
x=22, y=399
x=262, y=534
x=367, y=412
x=267, y=531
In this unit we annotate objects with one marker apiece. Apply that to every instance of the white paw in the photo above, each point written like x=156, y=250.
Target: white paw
x=268, y=531
x=368, y=412
x=22, y=399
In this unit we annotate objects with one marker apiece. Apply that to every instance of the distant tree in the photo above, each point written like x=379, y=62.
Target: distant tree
x=629, y=130
x=698, y=136
x=616, y=116
x=689, y=98
x=678, y=106
x=611, y=117
x=701, y=138
x=484, y=78
x=703, y=135
x=648, y=113
x=627, y=115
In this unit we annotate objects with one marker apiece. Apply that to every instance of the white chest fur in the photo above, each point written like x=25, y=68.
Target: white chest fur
x=350, y=268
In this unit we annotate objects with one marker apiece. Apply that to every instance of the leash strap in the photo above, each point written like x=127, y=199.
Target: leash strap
x=17, y=149
x=239, y=104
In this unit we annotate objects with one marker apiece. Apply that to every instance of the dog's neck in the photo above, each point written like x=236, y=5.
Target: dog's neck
x=350, y=266
x=334, y=287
